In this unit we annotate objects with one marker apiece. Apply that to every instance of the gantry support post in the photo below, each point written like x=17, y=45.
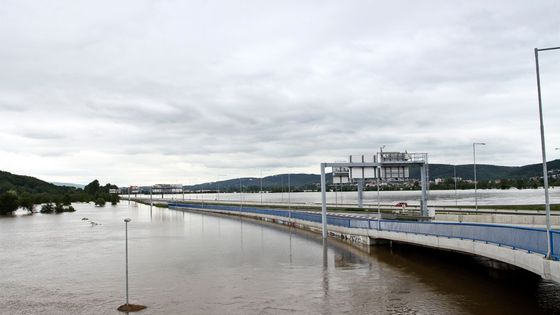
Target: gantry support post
x=324, y=201
x=424, y=186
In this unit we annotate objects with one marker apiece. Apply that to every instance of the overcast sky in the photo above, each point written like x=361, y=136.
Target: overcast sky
x=145, y=92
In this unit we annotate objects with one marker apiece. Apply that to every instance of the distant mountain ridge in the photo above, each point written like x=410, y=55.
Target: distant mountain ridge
x=464, y=171
x=21, y=183
x=488, y=172
x=69, y=185
x=278, y=181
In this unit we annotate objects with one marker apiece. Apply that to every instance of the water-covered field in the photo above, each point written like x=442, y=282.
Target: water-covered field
x=183, y=262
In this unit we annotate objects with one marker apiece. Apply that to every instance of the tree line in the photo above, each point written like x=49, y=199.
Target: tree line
x=52, y=199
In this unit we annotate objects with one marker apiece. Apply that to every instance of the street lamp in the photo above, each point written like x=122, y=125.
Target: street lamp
x=455, y=180
x=240, y=194
x=543, y=147
x=378, y=177
x=474, y=165
x=128, y=307
x=261, y=192
x=126, y=250
x=289, y=197
x=218, y=184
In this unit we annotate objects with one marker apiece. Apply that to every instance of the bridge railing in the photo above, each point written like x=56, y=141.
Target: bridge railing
x=525, y=238
x=530, y=239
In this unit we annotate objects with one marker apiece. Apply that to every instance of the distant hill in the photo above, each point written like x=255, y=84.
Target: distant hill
x=487, y=172
x=465, y=171
x=69, y=185
x=21, y=183
x=27, y=192
x=276, y=181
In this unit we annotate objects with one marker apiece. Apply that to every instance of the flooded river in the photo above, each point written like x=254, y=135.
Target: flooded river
x=189, y=263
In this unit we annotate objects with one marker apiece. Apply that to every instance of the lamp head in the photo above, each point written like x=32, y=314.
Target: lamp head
x=127, y=220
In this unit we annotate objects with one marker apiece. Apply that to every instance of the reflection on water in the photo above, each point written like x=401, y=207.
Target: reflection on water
x=182, y=262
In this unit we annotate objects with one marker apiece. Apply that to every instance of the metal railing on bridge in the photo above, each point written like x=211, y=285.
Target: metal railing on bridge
x=524, y=238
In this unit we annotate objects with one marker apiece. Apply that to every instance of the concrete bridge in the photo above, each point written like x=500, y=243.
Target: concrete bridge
x=523, y=247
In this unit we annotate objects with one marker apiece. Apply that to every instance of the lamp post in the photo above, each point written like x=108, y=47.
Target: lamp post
x=474, y=165
x=261, y=192
x=289, y=198
x=455, y=180
x=218, y=185
x=128, y=307
x=151, y=199
x=282, y=187
x=126, y=255
x=378, y=178
x=543, y=147
x=240, y=194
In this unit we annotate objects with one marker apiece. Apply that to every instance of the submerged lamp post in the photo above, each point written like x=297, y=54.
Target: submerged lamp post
x=543, y=147
x=126, y=254
x=128, y=307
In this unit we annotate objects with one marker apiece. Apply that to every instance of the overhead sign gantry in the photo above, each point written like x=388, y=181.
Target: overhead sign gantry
x=381, y=166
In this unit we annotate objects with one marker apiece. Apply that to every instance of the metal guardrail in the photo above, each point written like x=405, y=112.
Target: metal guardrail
x=524, y=238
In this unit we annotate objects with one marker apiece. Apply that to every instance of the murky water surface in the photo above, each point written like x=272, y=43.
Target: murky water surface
x=189, y=263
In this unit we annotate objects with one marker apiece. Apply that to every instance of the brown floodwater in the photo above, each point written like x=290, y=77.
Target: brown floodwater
x=192, y=263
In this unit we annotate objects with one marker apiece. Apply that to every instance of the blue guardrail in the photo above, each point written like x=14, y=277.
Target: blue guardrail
x=529, y=239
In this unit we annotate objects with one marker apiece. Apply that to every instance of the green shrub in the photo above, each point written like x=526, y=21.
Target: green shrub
x=47, y=208
x=58, y=208
x=9, y=202
x=100, y=202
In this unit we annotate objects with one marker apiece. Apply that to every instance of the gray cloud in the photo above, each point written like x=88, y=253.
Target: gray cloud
x=170, y=91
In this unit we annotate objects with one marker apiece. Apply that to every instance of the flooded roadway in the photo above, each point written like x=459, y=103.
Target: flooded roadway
x=183, y=262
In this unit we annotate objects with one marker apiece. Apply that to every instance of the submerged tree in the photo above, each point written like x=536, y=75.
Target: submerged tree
x=9, y=202
x=100, y=202
x=47, y=208
x=26, y=201
x=92, y=188
x=58, y=208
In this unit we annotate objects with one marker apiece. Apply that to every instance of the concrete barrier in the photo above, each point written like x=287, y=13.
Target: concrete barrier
x=516, y=219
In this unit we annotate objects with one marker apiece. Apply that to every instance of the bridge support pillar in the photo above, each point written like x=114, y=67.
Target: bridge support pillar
x=360, y=184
